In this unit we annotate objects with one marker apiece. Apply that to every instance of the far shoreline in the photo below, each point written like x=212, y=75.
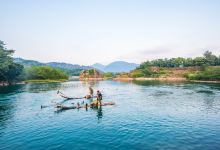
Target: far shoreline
x=46, y=81
x=168, y=79
x=92, y=79
x=33, y=81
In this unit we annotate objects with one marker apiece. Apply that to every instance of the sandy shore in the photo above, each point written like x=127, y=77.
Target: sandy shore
x=170, y=79
x=91, y=79
x=150, y=79
x=198, y=81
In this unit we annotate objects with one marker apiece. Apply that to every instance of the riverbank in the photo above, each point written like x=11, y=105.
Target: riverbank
x=34, y=81
x=168, y=79
x=91, y=79
x=45, y=81
x=150, y=79
x=206, y=74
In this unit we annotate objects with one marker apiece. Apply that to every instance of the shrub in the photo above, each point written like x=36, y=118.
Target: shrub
x=44, y=72
x=209, y=73
x=108, y=75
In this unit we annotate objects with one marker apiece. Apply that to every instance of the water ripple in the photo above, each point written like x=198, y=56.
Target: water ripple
x=147, y=115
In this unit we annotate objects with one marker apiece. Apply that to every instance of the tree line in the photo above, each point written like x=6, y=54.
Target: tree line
x=44, y=73
x=11, y=72
x=208, y=59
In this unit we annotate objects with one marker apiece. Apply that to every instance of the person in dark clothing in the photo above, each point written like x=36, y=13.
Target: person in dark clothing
x=86, y=106
x=99, y=98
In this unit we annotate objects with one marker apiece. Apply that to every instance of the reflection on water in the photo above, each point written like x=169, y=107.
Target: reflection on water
x=13, y=89
x=88, y=101
x=6, y=107
x=205, y=91
x=99, y=113
x=157, y=82
x=90, y=83
x=161, y=93
x=36, y=88
x=149, y=115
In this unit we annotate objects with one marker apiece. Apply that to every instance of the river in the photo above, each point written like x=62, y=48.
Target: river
x=147, y=115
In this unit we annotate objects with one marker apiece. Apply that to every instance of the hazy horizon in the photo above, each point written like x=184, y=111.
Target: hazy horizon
x=105, y=64
x=88, y=32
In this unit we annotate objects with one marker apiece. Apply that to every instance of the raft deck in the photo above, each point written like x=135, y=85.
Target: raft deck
x=83, y=106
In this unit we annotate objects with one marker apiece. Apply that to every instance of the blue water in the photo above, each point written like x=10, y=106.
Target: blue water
x=147, y=115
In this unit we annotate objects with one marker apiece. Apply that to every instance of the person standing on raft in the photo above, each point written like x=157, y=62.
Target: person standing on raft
x=98, y=101
x=90, y=93
x=99, y=98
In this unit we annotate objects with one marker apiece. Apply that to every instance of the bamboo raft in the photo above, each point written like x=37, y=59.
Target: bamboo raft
x=62, y=107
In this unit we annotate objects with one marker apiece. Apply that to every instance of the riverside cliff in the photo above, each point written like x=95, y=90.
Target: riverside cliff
x=91, y=74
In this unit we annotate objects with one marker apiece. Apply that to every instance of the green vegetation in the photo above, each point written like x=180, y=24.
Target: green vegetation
x=72, y=72
x=208, y=73
x=70, y=69
x=207, y=59
x=9, y=71
x=45, y=81
x=199, y=68
x=108, y=75
x=148, y=72
x=44, y=73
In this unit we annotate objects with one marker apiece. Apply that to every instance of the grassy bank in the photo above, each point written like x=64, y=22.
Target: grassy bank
x=195, y=74
x=44, y=74
x=45, y=81
x=160, y=72
x=206, y=74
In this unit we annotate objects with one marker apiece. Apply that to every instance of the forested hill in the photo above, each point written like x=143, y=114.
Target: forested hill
x=206, y=67
x=71, y=69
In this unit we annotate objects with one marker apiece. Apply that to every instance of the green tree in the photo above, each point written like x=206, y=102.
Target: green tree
x=188, y=62
x=44, y=72
x=210, y=58
x=9, y=71
x=218, y=60
x=108, y=75
x=144, y=65
x=199, y=61
x=179, y=61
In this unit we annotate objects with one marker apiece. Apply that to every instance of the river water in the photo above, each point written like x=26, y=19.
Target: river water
x=147, y=115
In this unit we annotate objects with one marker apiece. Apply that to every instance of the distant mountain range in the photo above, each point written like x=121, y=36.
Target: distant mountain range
x=117, y=66
x=75, y=69
x=72, y=69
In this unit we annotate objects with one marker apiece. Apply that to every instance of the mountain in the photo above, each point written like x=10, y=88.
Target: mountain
x=75, y=69
x=66, y=65
x=98, y=66
x=27, y=62
x=117, y=66
x=72, y=69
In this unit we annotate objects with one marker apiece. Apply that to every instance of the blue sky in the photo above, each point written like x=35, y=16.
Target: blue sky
x=86, y=32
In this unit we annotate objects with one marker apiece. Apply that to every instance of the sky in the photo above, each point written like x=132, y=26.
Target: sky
x=90, y=31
